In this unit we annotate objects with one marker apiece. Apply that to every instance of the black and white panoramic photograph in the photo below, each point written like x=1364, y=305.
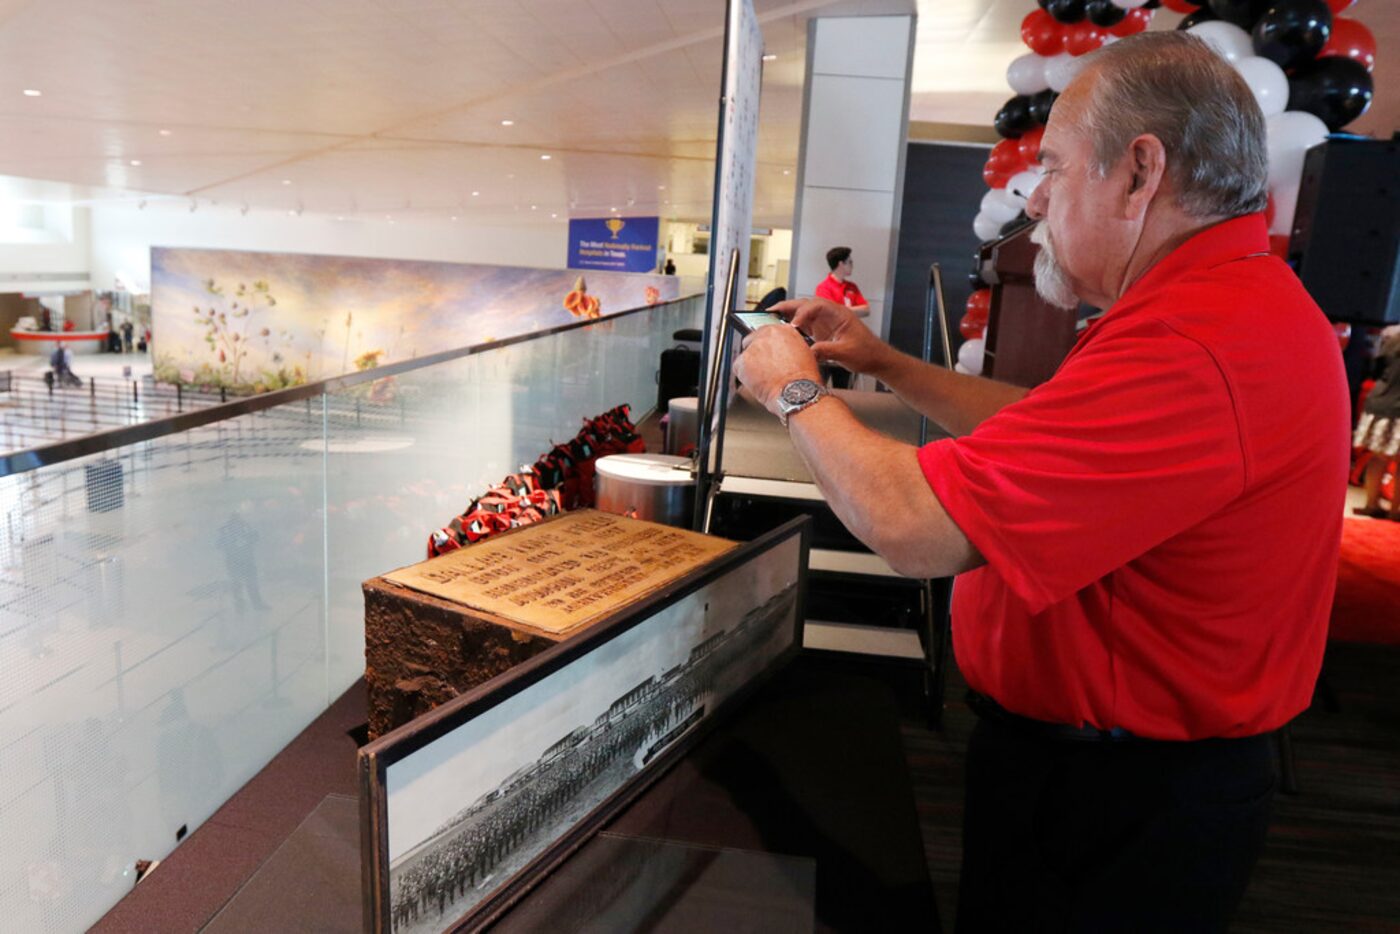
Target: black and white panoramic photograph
x=469, y=810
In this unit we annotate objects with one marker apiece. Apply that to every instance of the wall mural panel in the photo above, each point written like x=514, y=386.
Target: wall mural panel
x=254, y=322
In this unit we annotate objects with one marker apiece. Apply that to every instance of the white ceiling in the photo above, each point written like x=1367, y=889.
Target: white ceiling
x=396, y=106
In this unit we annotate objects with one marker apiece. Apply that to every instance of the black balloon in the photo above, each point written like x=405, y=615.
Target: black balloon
x=1065, y=11
x=1040, y=105
x=1104, y=13
x=1335, y=90
x=1292, y=32
x=1152, y=4
x=1014, y=118
x=1242, y=13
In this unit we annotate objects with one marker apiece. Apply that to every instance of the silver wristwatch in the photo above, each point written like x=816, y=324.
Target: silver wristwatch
x=798, y=395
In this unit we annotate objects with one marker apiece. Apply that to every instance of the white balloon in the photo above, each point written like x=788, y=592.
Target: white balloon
x=1128, y=4
x=1291, y=134
x=1026, y=74
x=1266, y=80
x=1061, y=69
x=959, y=368
x=998, y=207
x=1229, y=41
x=1285, y=199
x=970, y=355
x=986, y=227
x=1023, y=183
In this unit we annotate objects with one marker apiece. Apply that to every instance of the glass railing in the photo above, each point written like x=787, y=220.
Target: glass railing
x=181, y=597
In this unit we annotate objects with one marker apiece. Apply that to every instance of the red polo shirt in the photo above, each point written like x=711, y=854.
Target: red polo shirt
x=842, y=293
x=1161, y=519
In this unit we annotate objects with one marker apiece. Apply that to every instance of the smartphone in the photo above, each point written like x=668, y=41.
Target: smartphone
x=746, y=322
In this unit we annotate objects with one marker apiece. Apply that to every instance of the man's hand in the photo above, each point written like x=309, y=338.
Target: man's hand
x=839, y=334
x=773, y=357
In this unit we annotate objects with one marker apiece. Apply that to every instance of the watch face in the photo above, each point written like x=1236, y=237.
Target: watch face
x=800, y=391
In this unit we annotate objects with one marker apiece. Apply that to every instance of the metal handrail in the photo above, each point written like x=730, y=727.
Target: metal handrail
x=46, y=455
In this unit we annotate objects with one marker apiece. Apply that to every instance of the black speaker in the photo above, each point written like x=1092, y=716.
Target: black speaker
x=1346, y=231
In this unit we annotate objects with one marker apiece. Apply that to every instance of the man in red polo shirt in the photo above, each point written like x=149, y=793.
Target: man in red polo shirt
x=838, y=286
x=1147, y=543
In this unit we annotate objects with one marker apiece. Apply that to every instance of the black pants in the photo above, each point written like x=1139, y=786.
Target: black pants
x=1066, y=835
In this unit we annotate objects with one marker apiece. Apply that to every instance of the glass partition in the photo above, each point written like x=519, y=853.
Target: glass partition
x=174, y=610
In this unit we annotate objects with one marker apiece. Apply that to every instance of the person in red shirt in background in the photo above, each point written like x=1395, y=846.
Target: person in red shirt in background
x=838, y=286
x=1146, y=543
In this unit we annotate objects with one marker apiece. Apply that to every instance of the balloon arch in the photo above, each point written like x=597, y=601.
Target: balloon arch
x=1309, y=69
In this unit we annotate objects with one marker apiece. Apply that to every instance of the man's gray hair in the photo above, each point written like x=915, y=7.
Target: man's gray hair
x=1177, y=88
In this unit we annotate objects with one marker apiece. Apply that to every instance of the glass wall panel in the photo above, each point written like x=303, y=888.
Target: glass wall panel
x=173, y=612
x=161, y=638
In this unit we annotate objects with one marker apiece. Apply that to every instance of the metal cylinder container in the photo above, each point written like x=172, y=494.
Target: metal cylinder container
x=656, y=487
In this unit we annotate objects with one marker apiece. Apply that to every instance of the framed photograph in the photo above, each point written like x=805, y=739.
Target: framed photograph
x=466, y=807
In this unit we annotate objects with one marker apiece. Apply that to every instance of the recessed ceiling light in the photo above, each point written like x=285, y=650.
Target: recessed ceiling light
x=30, y=92
x=507, y=123
x=475, y=193
x=534, y=207
x=612, y=209
x=546, y=156
x=135, y=161
x=340, y=218
x=660, y=187
x=286, y=181
x=454, y=217
x=770, y=57
x=787, y=171
x=554, y=215
x=164, y=132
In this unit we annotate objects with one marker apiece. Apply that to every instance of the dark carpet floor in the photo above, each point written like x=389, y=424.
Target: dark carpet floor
x=1332, y=862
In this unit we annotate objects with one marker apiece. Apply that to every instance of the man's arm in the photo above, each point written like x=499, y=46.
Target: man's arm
x=956, y=402
x=876, y=488
x=873, y=483
x=951, y=400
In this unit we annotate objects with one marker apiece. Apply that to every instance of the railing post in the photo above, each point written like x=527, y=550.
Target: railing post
x=179, y=397
x=135, y=394
x=223, y=393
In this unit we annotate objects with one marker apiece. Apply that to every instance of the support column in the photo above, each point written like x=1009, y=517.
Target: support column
x=855, y=118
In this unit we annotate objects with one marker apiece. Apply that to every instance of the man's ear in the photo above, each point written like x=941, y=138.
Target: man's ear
x=1147, y=164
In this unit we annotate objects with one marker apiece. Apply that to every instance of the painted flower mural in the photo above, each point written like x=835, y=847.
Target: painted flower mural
x=254, y=322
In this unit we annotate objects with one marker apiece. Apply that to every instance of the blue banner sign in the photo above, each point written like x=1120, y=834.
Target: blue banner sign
x=618, y=244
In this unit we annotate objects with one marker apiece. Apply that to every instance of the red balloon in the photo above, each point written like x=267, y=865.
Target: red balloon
x=972, y=329
x=1181, y=6
x=994, y=178
x=1029, y=146
x=1350, y=39
x=1135, y=22
x=1343, y=333
x=1006, y=156
x=1278, y=245
x=1083, y=37
x=1339, y=5
x=979, y=306
x=1042, y=33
